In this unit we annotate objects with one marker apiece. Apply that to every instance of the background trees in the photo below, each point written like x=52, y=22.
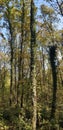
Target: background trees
x=31, y=65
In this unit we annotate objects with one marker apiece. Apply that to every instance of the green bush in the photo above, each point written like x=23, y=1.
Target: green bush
x=44, y=114
x=11, y=117
x=25, y=125
x=11, y=114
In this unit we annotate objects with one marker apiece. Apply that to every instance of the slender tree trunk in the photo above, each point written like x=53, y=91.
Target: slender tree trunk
x=3, y=81
x=20, y=62
x=33, y=64
x=34, y=99
x=11, y=63
x=11, y=78
x=43, y=64
x=15, y=79
x=11, y=53
x=54, y=76
x=19, y=81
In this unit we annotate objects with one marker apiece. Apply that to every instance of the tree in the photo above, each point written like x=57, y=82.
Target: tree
x=8, y=14
x=32, y=62
x=54, y=76
x=20, y=62
x=60, y=5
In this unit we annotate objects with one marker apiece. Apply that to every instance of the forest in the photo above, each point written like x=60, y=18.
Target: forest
x=31, y=64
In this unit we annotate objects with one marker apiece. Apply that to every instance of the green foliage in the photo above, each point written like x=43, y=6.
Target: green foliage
x=11, y=114
x=1, y=115
x=61, y=116
x=28, y=113
x=53, y=122
x=47, y=10
x=45, y=114
x=15, y=117
x=24, y=124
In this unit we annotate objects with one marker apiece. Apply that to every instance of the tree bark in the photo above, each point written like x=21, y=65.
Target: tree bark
x=33, y=64
x=11, y=63
x=20, y=88
x=54, y=76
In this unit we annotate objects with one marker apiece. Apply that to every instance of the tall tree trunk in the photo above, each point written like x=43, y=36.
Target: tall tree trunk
x=15, y=77
x=34, y=99
x=20, y=62
x=11, y=62
x=54, y=76
x=43, y=65
x=3, y=81
x=32, y=63
x=11, y=74
x=11, y=53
